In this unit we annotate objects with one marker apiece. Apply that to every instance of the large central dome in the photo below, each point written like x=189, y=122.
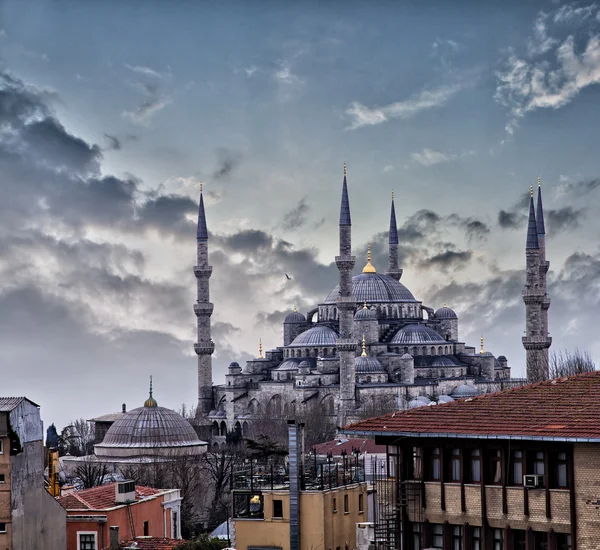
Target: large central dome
x=374, y=287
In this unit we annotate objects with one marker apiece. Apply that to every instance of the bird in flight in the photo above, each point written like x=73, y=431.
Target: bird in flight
x=288, y=277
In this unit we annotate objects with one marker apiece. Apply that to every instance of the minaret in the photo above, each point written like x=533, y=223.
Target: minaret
x=535, y=342
x=393, y=268
x=544, y=264
x=346, y=304
x=203, y=308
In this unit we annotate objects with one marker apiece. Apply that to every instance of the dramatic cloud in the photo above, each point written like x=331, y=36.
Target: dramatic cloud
x=296, y=217
x=449, y=259
x=564, y=218
x=511, y=220
x=227, y=162
x=360, y=115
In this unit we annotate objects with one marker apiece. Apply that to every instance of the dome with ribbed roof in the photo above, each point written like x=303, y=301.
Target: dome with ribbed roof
x=417, y=334
x=445, y=313
x=374, y=287
x=295, y=317
x=464, y=391
x=366, y=364
x=149, y=431
x=365, y=314
x=316, y=336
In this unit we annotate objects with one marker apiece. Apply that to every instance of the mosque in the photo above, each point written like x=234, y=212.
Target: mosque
x=369, y=340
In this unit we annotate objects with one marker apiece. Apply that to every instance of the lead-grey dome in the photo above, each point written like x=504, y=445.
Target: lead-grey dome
x=365, y=314
x=316, y=336
x=374, y=287
x=417, y=334
x=295, y=317
x=289, y=364
x=149, y=430
x=464, y=391
x=446, y=313
x=367, y=364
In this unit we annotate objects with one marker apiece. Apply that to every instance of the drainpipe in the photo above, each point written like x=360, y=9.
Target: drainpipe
x=294, y=457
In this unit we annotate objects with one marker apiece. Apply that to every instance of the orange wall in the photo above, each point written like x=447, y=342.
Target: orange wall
x=150, y=511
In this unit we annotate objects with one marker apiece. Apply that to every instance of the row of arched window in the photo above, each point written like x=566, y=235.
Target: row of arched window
x=309, y=352
x=400, y=311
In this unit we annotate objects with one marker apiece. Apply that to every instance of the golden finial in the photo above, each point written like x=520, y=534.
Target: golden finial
x=201, y=188
x=445, y=303
x=364, y=347
x=369, y=267
x=481, y=344
x=392, y=194
x=295, y=310
x=344, y=169
x=365, y=305
x=531, y=190
x=260, y=353
x=539, y=181
x=150, y=402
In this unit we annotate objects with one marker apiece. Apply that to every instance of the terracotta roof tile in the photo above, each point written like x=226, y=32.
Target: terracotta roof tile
x=336, y=446
x=101, y=498
x=565, y=408
x=151, y=543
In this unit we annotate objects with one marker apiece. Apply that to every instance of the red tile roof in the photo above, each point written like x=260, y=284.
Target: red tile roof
x=336, y=446
x=562, y=409
x=150, y=543
x=101, y=498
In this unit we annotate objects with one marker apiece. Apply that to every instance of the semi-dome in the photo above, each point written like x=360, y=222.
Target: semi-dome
x=417, y=334
x=295, y=317
x=443, y=361
x=150, y=430
x=464, y=391
x=316, y=336
x=445, y=313
x=367, y=364
x=374, y=287
x=289, y=364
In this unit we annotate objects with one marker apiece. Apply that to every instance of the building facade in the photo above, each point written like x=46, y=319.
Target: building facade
x=93, y=514
x=29, y=515
x=514, y=470
x=368, y=341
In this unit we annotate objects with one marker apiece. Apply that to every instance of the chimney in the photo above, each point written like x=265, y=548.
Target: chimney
x=124, y=408
x=114, y=537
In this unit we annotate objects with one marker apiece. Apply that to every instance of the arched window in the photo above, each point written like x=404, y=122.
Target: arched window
x=328, y=405
x=245, y=428
x=223, y=428
x=440, y=350
x=397, y=350
x=368, y=379
x=405, y=349
x=215, y=428
x=445, y=350
x=414, y=351
x=432, y=350
x=315, y=352
x=307, y=352
x=424, y=351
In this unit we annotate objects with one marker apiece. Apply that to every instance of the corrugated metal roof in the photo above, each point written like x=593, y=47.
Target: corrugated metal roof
x=562, y=409
x=7, y=404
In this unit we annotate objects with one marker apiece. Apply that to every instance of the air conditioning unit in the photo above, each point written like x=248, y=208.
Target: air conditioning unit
x=533, y=481
x=125, y=492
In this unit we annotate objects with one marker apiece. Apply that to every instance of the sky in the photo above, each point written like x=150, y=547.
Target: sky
x=112, y=113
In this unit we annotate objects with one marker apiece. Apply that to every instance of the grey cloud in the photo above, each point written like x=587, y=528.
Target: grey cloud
x=511, y=220
x=227, y=162
x=114, y=143
x=296, y=217
x=564, y=218
x=449, y=259
x=579, y=188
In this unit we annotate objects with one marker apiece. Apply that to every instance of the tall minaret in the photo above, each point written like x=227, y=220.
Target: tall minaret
x=393, y=268
x=535, y=342
x=203, y=308
x=544, y=264
x=346, y=304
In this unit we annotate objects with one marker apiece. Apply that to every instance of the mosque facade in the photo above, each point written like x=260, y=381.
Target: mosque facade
x=369, y=340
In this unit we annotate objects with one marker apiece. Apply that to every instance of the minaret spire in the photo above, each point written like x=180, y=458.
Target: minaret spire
x=393, y=266
x=346, y=304
x=203, y=309
x=536, y=340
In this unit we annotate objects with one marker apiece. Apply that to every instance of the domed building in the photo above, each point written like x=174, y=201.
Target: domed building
x=369, y=339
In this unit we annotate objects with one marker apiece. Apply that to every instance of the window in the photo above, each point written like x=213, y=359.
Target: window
x=476, y=538
x=361, y=503
x=3, y=528
x=540, y=540
x=346, y=504
x=1, y=446
x=434, y=464
x=560, y=471
x=455, y=465
x=519, y=539
x=334, y=506
x=2, y=478
x=417, y=463
x=497, y=539
x=277, y=508
x=437, y=535
x=86, y=540
x=517, y=467
x=175, y=529
x=563, y=541
x=417, y=530
x=538, y=463
x=495, y=464
x=457, y=537
x=475, y=466
x=146, y=529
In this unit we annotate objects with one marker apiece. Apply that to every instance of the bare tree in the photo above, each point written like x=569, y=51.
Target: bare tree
x=78, y=438
x=91, y=472
x=567, y=363
x=318, y=426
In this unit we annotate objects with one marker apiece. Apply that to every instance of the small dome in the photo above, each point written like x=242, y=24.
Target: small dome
x=417, y=334
x=464, y=391
x=423, y=398
x=305, y=364
x=288, y=364
x=316, y=336
x=445, y=313
x=365, y=314
x=295, y=317
x=502, y=358
x=415, y=403
x=367, y=364
x=445, y=399
x=406, y=356
x=234, y=364
x=443, y=361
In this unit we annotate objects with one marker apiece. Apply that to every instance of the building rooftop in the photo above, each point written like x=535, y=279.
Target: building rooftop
x=561, y=410
x=336, y=446
x=102, y=497
x=7, y=404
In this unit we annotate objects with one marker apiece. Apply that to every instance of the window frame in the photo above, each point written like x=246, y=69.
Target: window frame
x=280, y=504
x=475, y=457
x=499, y=540
x=1, y=446
x=556, y=464
x=334, y=505
x=476, y=538
x=5, y=530
x=514, y=460
x=434, y=458
x=455, y=466
x=437, y=537
x=361, y=503
x=457, y=538
x=346, y=504
x=95, y=535
x=2, y=478
x=495, y=470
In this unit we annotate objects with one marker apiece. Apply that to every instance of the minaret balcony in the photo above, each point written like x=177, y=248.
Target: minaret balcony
x=203, y=309
x=533, y=296
x=345, y=262
x=204, y=348
x=203, y=270
x=536, y=342
x=346, y=344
